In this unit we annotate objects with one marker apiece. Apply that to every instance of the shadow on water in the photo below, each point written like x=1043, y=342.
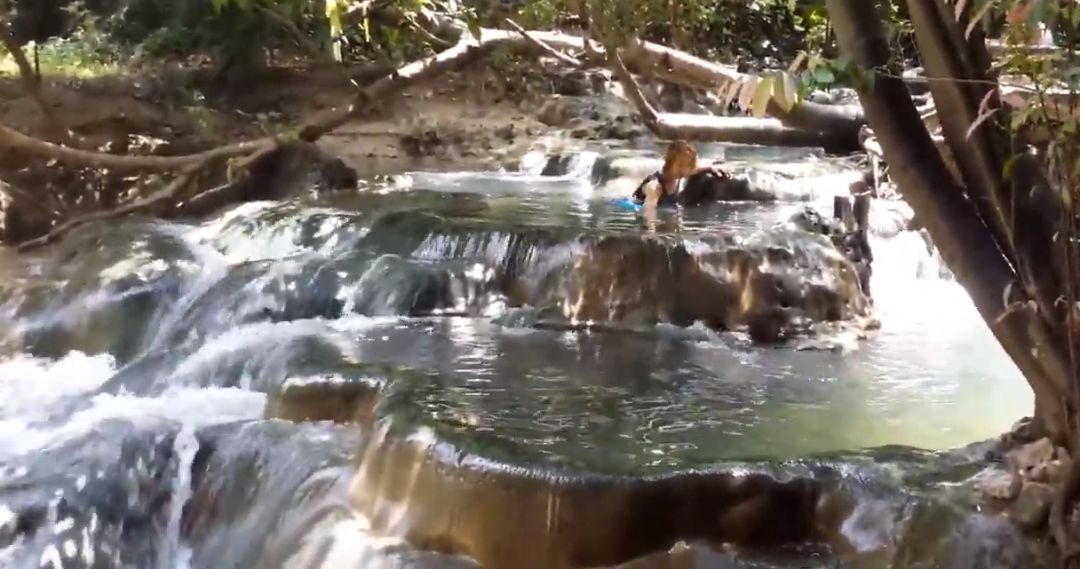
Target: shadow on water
x=505, y=369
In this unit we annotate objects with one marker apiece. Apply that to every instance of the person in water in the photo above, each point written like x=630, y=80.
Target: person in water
x=661, y=189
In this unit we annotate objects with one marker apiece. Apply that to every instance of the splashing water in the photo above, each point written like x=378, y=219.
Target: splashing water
x=174, y=555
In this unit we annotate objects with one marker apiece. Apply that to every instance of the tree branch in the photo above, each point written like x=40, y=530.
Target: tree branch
x=12, y=138
x=161, y=197
x=654, y=60
x=543, y=46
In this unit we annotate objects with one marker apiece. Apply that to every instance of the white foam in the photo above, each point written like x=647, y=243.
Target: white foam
x=195, y=408
x=30, y=385
x=265, y=335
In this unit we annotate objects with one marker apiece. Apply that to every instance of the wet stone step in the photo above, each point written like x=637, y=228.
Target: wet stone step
x=268, y=494
x=164, y=292
x=457, y=503
x=467, y=491
x=772, y=281
x=258, y=357
x=100, y=290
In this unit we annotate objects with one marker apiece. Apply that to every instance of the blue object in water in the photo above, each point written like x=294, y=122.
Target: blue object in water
x=627, y=203
x=631, y=205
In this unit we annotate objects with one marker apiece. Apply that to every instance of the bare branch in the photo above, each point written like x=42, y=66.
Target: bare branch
x=466, y=52
x=12, y=138
x=543, y=46
x=633, y=90
x=156, y=199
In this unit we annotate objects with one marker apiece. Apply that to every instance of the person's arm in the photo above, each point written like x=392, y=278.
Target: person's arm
x=653, y=193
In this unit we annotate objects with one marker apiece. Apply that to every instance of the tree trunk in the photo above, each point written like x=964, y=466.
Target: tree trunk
x=969, y=243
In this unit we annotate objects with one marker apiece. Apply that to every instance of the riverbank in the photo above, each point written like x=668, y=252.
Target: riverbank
x=461, y=121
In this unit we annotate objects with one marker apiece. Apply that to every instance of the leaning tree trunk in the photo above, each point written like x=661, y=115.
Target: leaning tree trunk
x=996, y=237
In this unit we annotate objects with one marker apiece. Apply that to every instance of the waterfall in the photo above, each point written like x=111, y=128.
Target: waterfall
x=173, y=554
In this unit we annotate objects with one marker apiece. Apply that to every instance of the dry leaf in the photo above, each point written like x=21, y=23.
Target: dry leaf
x=746, y=94
x=763, y=93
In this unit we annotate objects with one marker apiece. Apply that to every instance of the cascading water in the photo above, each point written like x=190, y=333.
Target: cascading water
x=173, y=552
x=476, y=366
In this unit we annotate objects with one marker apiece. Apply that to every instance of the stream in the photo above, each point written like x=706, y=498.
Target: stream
x=506, y=368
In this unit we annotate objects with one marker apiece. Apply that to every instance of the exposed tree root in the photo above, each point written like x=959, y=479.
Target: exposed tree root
x=161, y=198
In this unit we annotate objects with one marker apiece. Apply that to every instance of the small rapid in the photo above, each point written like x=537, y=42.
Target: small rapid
x=429, y=371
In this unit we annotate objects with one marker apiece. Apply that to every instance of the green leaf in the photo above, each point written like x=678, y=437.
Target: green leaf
x=824, y=75
x=978, y=17
x=474, y=28
x=1010, y=166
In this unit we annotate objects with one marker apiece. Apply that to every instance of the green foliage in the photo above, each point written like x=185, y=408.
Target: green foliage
x=758, y=32
x=1040, y=101
x=85, y=53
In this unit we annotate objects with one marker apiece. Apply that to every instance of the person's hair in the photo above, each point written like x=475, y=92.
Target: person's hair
x=679, y=150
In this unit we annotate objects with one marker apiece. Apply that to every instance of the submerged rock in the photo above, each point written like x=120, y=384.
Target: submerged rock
x=943, y=535
x=1032, y=507
x=774, y=282
x=706, y=186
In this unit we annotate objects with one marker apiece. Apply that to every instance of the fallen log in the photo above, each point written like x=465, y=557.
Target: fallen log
x=654, y=60
x=745, y=130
